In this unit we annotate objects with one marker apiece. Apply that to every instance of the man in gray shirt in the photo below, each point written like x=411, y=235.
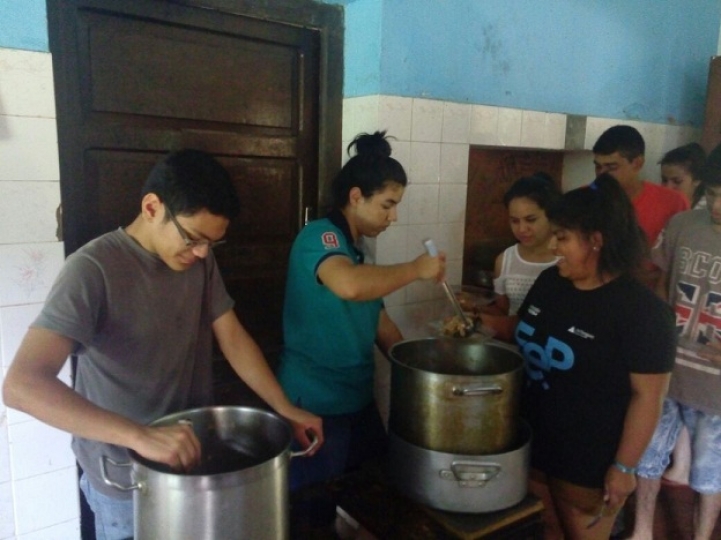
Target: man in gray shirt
x=139, y=307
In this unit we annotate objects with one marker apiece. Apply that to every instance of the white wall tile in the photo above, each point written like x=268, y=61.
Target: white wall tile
x=27, y=211
x=5, y=473
x=675, y=136
x=456, y=122
x=454, y=272
x=391, y=246
x=533, y=129
x=401, y=151
x=450, y=239
x=36, y=449
x=7, y=511
x=421, y=203
x=396, y=298
x=65, y=374
x=46, y=500
x=363, y=116
x=452, y=203
x=417, y=234
x=368, y=247
x=653, y=136
x=555, y=131
x=595, y=127
x=27, y=271
x=484, y=125
x=454, y=163
x=28, y=148
x=427, y=121
x=348, y=122
x=14, y=322
x=70, y=530
x=394, y=115
x=422, y=291
x=425, y=163
x=509, y=126
x=26, y=85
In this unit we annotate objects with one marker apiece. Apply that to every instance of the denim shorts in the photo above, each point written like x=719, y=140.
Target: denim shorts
x=113, y=517
x=705, y=432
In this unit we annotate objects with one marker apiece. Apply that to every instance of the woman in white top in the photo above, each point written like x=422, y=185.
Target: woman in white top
x=517, y=267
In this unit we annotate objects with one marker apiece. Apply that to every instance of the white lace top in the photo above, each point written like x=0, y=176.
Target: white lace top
x=517, y=276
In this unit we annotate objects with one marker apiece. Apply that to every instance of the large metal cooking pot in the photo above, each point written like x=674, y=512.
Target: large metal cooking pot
x=461, y=483
x=239, y=490
x=453, y=395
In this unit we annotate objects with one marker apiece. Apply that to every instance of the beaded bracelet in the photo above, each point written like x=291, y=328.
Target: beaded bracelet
x=623, y=468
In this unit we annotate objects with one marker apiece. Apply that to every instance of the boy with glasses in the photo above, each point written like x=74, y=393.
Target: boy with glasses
x=139, y=307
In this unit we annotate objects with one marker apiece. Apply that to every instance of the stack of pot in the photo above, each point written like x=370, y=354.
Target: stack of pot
x=456, y=440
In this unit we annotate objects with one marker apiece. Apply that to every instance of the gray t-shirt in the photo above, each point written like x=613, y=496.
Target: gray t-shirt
x=144, y=336
x=690, y=251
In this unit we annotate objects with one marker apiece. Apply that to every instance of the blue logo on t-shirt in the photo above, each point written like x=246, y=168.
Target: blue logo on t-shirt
x=540, y=360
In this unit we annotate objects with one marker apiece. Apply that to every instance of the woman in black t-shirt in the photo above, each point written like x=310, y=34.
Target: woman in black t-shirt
x=598, y=349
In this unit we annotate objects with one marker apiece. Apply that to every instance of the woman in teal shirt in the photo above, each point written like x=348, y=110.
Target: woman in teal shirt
x=334, y=315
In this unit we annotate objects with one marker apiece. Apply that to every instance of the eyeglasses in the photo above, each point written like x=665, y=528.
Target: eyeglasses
x=189, y=242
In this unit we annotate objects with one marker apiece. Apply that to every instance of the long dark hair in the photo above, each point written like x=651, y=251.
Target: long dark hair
x=605, y=208
x=370, y=169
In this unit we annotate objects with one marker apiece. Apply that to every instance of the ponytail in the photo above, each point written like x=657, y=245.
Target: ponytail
x=604, y=207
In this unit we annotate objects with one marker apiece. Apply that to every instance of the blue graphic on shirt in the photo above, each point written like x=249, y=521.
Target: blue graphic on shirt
x=540, y=360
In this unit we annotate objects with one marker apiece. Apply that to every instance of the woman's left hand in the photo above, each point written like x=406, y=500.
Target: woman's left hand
x=618, y=486
x=307, y=427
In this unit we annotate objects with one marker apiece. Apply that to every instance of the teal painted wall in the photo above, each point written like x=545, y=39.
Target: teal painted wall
x=644, y=60
x=23, y=25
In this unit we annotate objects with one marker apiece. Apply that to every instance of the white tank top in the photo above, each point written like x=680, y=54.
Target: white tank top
x=517, y=276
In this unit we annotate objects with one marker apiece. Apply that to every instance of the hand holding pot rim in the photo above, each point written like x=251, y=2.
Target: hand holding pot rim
x=175, y=445
x=307, y=429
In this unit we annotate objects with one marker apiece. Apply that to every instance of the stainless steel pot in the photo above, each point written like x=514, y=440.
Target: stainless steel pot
x=461, y=483
x=239, y=490
x=455, y=395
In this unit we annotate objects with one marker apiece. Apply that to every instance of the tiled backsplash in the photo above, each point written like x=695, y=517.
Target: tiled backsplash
x=38, y=493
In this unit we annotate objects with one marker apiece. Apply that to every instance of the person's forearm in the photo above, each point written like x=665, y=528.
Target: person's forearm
x=369, y=281
x=250, y=365
x=51, y=401
x=388, y=333
x=640, y=423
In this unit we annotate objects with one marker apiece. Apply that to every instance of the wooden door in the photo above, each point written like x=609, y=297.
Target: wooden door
x=491, y=171
x=711, y=136
x=137, y=79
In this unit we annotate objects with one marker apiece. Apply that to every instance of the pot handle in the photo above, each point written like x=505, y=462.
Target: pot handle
x=471, y=473
x=108, y=481
x=313, y=443
x=476, y=390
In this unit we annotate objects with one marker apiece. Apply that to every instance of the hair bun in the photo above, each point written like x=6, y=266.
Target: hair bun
x=375, y=145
